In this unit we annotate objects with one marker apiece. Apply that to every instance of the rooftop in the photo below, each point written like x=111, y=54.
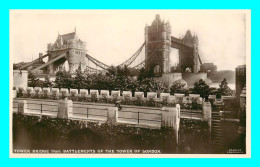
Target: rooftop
x=69, y=36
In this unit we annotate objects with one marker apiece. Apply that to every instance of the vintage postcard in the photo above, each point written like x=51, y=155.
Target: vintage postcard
x=130, y=83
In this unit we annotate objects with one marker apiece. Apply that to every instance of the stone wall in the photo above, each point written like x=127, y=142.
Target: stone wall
x=66, y=109
x=45, y=100
x=136, y=116
x=62, y=134
x=106, y=96
x=170, y=78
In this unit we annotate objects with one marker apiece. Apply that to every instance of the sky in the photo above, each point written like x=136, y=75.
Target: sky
x=112, y=36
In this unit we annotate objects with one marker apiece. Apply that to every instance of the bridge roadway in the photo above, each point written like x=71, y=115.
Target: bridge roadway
x=133, y=115
x=49, y=62
x=34, y=61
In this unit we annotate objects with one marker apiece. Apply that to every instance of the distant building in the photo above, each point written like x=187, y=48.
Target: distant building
x=240, y=79
x=208, y=67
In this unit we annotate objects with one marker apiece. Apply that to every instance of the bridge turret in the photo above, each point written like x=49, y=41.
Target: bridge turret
x=196, y=66
x=196, y=39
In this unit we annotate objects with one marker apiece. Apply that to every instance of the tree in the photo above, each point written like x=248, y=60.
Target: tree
x=33, y=81
x=111, y=71
x=160, y=87
x=201, y=88
x=177, y=87
x=145, y=74
x=224, y=88
x=103, y=82
x=63, y=79
x=151, y=85
x=79, y=80
x=47, y=82
x=116, y=78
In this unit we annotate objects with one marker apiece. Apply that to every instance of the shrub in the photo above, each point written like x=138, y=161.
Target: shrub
x=224, y=89
x=20, y=92
x=196, y=106
x=177, y=87
x=93, y=97
x=33, y=81
x=201, y=88
x=63, y=79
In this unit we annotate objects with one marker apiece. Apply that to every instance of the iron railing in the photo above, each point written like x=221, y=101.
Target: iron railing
x=38, y=107
x=191, y=114
x=41, y=110
x=184, y=113
x=138, y=119
x=88, y=114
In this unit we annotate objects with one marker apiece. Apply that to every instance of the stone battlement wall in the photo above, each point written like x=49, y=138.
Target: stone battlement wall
x=106, y=96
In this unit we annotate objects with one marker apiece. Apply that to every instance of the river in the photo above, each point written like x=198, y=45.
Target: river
x=231, y=85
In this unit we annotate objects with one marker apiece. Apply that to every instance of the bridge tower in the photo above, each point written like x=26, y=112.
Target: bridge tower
x=192, y=59
x=157, y=46
x=74, y=50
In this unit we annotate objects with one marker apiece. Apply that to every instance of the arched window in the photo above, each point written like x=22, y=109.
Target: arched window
x=157, y=69
x=188, y=70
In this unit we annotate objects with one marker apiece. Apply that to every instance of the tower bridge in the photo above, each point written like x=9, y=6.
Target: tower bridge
x=158, y=36
x=154, y=54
